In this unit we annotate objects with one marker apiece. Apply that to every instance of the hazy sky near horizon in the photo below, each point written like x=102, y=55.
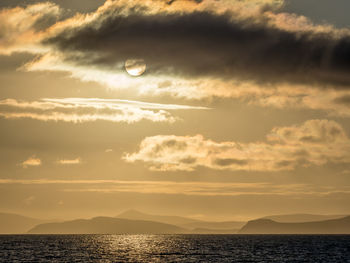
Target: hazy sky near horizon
x=243, y=110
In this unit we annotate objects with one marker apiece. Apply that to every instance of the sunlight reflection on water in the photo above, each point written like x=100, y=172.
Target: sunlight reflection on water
x=174, y=248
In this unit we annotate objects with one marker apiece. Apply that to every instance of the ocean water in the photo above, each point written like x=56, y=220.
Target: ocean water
x=175, y=248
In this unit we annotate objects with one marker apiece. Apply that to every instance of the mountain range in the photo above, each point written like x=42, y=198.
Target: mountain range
x=184, y=222
x=135, y=222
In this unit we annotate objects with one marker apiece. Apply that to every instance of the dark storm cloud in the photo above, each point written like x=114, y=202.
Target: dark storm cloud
x=202, y=44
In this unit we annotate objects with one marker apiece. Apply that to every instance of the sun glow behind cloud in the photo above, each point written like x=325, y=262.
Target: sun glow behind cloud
x=246, y=93
x=58, y=52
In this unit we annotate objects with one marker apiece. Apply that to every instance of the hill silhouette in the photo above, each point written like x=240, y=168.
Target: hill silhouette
x=184, y=222
x=16, y=224
x=224, y=225
x=106, y=225
x=268, y=226
x=299, y=218
x=209, y=231
x=174, y=220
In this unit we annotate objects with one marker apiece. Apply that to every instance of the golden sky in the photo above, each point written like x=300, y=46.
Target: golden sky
x=214, y=109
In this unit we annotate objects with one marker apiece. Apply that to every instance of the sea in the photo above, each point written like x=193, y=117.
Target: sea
x=175, y=248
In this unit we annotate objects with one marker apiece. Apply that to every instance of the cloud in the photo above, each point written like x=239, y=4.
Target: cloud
x=184, y=188
x=313, y=132
x=244, y=40
x=333, y=102
x=79, y=110
x=330, y=101
x=201, y=42
x=248, y=50
x=69, y=161
x=116, y=104
x=315, y=142
x=31, y=162
x=21, y=28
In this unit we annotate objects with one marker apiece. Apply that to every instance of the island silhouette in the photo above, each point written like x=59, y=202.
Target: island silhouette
x=268, y=226
x=136, y=222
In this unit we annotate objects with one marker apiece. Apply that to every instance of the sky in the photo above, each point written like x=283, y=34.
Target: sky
x=235, y=109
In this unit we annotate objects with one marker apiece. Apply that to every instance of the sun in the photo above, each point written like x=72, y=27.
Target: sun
x=135, y=67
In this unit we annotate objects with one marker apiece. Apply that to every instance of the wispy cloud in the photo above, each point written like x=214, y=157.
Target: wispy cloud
x=90, y=109
x=22, y=28
x=117, y=104
x=69, y=161
x=31, y=162
x=333, y=102
x=182, y=188
x=315, y=142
